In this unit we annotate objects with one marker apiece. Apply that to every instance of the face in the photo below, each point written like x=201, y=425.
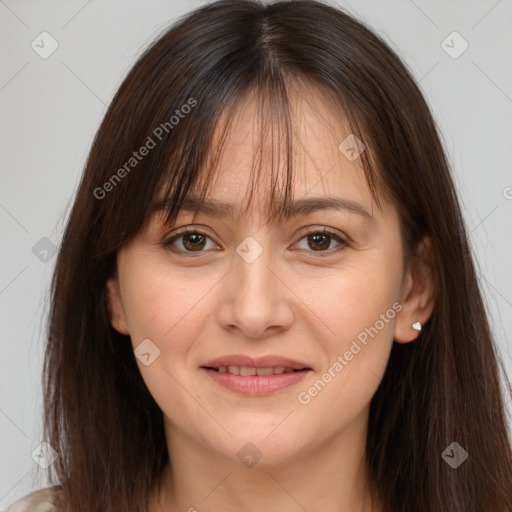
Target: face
x=323, y=289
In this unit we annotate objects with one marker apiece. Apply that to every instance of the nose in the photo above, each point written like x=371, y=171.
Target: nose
x=255, y=301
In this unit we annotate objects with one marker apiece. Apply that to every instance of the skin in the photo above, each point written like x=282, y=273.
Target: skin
x=289, y=302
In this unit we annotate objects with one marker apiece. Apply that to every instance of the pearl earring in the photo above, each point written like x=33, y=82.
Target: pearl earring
x=416, y=326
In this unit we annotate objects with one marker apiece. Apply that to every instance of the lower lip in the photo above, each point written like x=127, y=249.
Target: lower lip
x=256, y=385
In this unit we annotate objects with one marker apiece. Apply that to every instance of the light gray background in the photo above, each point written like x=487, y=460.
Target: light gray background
x=50, y=109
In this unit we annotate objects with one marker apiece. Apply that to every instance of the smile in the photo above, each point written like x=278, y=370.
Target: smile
x=247, y=370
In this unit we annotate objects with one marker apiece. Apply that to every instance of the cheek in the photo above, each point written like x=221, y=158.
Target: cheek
x=356, y=359
x=349, y=301
x=160, y=303
x=359, y=307
x=170, y=309
x=148, y=307
x=167, y=310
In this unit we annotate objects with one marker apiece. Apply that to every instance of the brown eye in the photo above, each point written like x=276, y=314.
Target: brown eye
x=189, y=241
x=321, y=242
x=194, y=241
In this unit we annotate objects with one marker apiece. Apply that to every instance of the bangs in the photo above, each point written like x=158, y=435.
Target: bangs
x=193, y=164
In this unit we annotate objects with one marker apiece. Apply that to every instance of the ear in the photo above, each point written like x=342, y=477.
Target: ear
x=418, y=293
x=115, y=306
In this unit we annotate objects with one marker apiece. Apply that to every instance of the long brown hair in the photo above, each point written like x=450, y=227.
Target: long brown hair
x=443, y=388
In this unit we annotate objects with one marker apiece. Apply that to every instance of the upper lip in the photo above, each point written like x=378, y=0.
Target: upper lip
x=255, y=362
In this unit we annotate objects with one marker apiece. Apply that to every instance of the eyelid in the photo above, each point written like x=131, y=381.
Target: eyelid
x=313, y=229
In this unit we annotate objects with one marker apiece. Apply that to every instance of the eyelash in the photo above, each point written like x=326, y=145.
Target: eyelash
x=343, y=243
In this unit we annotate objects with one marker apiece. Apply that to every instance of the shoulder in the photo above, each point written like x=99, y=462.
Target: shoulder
x=37, y=501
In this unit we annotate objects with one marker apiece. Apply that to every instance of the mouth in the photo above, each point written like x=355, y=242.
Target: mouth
x=248, y=371
x=255, y=377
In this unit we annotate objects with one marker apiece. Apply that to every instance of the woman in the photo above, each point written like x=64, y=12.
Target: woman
x=265, y=294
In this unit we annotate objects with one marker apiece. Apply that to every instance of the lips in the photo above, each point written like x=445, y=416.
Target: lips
x=254, y=377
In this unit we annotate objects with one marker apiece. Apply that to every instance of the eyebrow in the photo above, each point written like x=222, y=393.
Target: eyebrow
x=300, y=207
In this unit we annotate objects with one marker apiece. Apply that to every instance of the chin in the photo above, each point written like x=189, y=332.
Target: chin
x=257, y=447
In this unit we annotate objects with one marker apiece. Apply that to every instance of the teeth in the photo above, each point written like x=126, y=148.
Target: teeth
x=264, y=371
x=247, y=371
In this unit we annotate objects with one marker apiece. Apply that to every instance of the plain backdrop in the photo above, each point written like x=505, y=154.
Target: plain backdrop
x=50, y=109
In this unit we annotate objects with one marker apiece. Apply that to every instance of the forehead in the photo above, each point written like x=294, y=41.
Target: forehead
x=255, y=153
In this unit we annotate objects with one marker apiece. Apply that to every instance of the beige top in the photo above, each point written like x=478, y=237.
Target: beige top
x=37, y=501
